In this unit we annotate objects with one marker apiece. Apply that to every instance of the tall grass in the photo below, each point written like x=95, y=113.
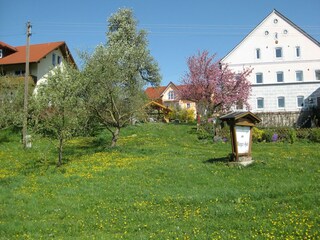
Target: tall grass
x=161, y=182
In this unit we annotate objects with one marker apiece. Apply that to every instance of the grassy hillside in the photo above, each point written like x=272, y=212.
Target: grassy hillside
x=161, y=182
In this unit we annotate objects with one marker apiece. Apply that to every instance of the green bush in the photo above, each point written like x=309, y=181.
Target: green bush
x=292, y=135
x=203, y=133
x=257, y=134
x=303, y=133
x=284, y=134
x=315, y=134
x=183, y=115
x=268, y=134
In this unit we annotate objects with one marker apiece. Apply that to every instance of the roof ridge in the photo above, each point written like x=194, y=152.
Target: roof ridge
x=37, y=44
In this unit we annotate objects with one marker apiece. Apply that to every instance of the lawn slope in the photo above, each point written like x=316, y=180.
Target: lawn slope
x=161, y=182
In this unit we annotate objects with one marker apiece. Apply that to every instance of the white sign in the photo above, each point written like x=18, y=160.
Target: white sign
x=243, y=139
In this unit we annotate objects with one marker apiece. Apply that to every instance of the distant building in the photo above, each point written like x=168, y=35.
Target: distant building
x=286, y=66
x=43, y=58
x=169, y=97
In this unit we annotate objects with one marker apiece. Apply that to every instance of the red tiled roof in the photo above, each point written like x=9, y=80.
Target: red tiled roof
x=155, y=92
x=37, y=52
x=3, y=44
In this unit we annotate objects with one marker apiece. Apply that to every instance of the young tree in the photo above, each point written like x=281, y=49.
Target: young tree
x=116, y=73
x=11, y=101
x=58, y=107
x=213, y=86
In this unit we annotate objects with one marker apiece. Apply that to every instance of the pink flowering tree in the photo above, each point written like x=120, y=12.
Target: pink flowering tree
x=213, y=86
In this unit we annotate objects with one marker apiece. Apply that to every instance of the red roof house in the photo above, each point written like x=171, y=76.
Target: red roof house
x=169, y=96
x=43, y=57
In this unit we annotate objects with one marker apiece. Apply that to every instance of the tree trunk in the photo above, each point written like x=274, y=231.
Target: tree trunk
x=115, y=136
x=60, y=152
x=198, y=121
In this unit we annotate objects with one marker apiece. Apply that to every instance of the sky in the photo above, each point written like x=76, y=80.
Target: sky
x=177, y=29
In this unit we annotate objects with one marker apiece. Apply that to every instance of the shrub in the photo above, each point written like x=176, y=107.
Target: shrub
x=315, y=134
x=188, y=115
x=183, y=115
x=205, y=131
x=268, y=135
x=257, y=134
x=285, y=135
x=292, y=135
x=303, y=133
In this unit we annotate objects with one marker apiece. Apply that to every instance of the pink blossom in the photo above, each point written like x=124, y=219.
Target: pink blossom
x=213, y=86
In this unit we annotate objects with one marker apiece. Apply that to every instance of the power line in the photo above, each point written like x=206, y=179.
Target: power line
x=163, y=29
x=160, y=25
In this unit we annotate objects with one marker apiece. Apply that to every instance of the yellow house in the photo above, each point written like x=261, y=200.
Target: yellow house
x=169, y=97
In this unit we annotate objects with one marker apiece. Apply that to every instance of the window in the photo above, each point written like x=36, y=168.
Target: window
x=1, y=53
x=279, y=52
x=59, y=60
x=260, y=103
x=299, y=76
x=298, y=52
x=300, y=101
x=188, y=105
x=259, y=78
x=258, y=53
x=279, y=76
x=317, y=72
x=281, y=102
x=53, y=59
x=171, y=95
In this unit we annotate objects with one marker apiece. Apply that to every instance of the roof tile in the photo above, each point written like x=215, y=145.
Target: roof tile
x=37, y=52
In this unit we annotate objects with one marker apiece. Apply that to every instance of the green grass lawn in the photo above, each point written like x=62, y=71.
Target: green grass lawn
x=161, y=182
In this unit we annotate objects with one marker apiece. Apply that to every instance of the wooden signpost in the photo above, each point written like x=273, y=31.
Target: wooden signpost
x=241, y=124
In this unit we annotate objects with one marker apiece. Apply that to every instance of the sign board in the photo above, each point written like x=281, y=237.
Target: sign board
x=243, y=139
x=241, y=124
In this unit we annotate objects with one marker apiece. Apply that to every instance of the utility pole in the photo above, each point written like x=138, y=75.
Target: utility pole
x=26, y=91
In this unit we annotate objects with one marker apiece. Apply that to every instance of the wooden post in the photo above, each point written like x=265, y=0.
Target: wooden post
x=26, y=90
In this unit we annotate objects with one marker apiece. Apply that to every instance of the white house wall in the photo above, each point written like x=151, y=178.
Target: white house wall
x=273, y=32
x=45, y=64
x=290, y=92
x=165, y=94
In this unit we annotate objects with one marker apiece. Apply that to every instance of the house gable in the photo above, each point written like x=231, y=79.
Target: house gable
x=274, y=31
x=285, y=65
x=161, y=92
x=170, y=93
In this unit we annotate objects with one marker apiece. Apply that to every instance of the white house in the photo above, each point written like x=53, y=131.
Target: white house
x=285, y=62
x=43, y=58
